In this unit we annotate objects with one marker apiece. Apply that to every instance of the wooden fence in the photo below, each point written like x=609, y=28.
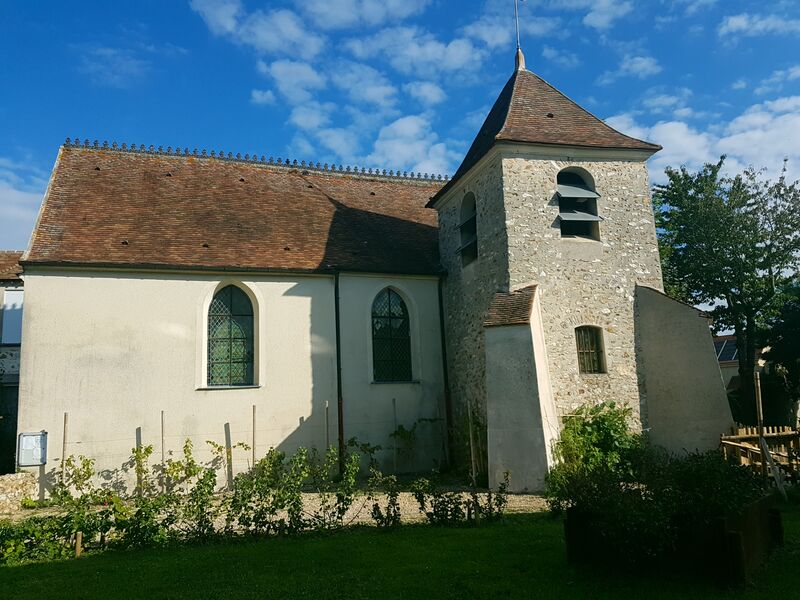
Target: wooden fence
x=783, y=443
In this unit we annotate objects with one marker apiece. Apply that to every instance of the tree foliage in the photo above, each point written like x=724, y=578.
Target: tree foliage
x=732, y=243
x=783, y=340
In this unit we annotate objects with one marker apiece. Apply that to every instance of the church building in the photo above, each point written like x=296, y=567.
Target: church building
x=174, y=294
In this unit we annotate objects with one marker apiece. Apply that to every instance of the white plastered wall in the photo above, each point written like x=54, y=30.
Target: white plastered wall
x=373, y=411
x=687, y=406
x=114, y=351
x=522, y=422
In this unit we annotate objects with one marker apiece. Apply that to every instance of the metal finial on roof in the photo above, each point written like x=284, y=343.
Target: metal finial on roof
x=519, y=60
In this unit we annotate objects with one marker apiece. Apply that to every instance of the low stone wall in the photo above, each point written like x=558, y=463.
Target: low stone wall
x=13, y=488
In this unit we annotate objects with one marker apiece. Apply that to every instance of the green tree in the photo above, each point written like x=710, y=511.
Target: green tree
x=732, y=243
x=783, y=340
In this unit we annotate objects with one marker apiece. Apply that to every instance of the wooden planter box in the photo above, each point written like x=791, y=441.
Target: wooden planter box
x=727, y=550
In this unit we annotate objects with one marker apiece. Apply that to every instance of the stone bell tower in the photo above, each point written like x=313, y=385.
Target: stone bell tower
x=546, y=230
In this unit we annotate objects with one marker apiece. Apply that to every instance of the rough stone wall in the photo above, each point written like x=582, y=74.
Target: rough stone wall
x=13, y=488
x=584, y=282
x=468, y=291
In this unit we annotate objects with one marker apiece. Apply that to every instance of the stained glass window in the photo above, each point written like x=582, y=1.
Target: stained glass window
x=391, y=338
x=230, y=338
x=590, y=350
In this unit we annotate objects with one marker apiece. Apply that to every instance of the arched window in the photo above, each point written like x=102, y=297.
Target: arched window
x=591, y=358
x=230, y=338
x=391, y=338
x=468, y=228
x=577, y=206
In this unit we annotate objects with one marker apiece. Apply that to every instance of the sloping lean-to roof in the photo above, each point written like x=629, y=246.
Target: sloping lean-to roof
x=9, y=265
x=139, y=209
x=530, y=110
x=511, y=308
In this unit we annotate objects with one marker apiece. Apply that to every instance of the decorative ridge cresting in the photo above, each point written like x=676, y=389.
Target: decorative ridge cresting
x=252, y=159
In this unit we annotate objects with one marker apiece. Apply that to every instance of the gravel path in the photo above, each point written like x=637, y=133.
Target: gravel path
x=359, y=513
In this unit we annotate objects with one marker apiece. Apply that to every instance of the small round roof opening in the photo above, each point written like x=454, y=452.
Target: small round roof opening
x=577, y=177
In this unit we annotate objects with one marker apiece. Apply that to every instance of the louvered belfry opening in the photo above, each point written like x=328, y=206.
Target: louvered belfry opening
x=577, y=207
x=468, y=229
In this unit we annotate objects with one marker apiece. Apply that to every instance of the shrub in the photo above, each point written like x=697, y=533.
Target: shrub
x=389, y=515
x=447, y=507
x=35, y=539
x=595, y=444
x=638, y=496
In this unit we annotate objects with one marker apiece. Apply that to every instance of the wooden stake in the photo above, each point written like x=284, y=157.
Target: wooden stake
x=394, y=444
x=229, y=455
x=163, y=455
x=78, y=543
x=760, y=419
x=64, y=446
x=254, y=435
x=473, y=472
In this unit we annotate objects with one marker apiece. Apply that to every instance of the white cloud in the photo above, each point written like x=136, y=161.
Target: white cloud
x=412, y=51
x=495, y=29
x=279, y=31
x=344, y=14
x=21, y=190
x=739, y=84
x=262, y=97
x=271, y=32
x=692, y=7
x=762, y=136
x=564, y=59
x=113, y=67
x=601, y=13
x=221, y=16
x=341, y=141
x=749, y=25
x=604, y=12
x=425, y=91
x=295, y=80
x=409, y=143
x=776, y=81
x=362, y=83
x=312, y=115
x=640, y=67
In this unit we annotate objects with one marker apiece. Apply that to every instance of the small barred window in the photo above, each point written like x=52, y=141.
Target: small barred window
x=391, y=338
x=230, y=338
x=591, y=358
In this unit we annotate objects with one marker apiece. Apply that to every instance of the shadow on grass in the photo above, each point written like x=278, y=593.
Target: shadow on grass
x=522, y=556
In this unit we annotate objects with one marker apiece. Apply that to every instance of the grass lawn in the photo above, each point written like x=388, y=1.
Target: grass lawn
x=522, y=557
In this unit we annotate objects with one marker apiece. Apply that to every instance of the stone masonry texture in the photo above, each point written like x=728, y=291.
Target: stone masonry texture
x=580, y=282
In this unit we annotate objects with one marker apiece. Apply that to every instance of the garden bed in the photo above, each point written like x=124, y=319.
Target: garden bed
x=726, y=550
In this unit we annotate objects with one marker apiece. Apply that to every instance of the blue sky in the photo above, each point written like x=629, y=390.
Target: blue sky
x=396, y=84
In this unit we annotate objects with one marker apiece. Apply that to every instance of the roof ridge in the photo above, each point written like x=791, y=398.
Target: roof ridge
x=515, y=77
x=253, y=160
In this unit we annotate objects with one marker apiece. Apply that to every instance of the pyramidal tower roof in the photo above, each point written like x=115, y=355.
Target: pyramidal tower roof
x=530, y=110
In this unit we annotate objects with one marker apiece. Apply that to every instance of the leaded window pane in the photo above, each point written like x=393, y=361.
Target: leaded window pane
x=391, y=338
x=230, y=338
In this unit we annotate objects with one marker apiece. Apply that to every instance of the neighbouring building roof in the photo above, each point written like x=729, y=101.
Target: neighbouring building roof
x=511, y=308
x=113, y=207
x=530, y=110
x=725, y=346
x=9, y=265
